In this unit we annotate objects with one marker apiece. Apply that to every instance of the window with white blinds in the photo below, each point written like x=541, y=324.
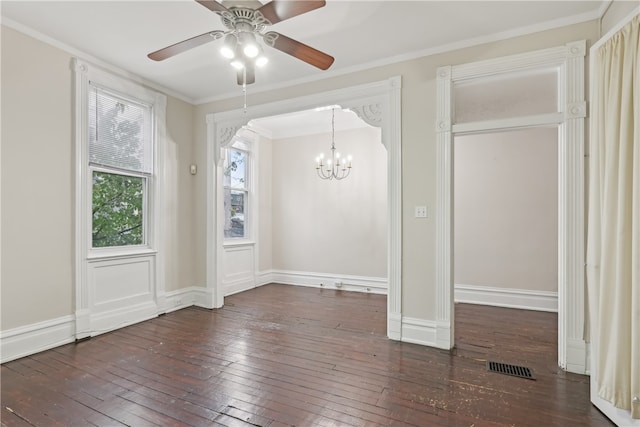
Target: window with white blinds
x=119, y=132
x=120, y=157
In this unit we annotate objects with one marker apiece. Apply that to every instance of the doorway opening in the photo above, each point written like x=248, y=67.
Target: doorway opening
x=505, y=250
x=514, y=103
x=299, y=229
x=377, y=104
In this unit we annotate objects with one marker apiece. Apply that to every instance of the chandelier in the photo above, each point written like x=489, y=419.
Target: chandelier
x=335, y=167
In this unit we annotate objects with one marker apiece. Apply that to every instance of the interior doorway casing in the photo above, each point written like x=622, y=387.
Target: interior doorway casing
x=378, y=104
x=569, y=61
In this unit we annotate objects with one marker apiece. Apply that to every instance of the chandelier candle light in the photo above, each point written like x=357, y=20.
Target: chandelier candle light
x=336, y=167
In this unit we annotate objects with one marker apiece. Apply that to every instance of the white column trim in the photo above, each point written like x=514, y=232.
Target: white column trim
x=82, y=313
x=213, y=294
x=572, y=354
x=444, y=200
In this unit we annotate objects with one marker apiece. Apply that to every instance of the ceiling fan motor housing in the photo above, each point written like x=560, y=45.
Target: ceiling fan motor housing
x=244, y=20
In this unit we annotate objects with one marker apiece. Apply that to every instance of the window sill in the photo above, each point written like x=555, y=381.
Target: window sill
x=120, y=253
x=236, y=243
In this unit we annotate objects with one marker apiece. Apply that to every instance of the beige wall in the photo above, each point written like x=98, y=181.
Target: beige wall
x=37, y=182
x=418, y=146
x=506, y=209
x=179, y=218
x=38, y=188
x=323, y=226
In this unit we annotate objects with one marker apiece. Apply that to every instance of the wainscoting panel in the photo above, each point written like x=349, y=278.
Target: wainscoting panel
x=115, y=281
x=121, y=292
x=238, y=275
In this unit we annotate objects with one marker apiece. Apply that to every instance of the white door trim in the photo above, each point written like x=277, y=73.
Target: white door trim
x=378, y=104
x=569, y=59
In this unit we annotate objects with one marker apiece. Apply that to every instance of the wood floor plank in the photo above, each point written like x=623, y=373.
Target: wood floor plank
x=281, y=355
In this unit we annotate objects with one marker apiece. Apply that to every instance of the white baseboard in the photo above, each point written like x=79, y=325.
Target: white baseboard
x=263, y=277
x=36, y=337
x=179, y=299
x=444, y=340
x=26, y=340
x=238, y=286
x=374, y=285
x=115, y=319
x=511, y=298
x=576, y=356
x=394, y=327
x=419, y=331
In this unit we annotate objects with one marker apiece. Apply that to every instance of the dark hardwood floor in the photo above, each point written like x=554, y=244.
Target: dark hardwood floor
x=289, y=356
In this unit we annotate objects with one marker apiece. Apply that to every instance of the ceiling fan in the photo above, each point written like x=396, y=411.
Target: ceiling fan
x=245, y=21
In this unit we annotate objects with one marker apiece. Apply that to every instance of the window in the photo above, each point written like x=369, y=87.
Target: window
x=236, y=192
x=120, y=165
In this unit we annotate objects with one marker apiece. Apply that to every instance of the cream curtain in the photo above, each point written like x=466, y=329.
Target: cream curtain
x=613, y=242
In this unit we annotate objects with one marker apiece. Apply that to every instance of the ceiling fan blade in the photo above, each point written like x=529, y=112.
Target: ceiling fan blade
x=279, y=10
x=214, y=6
x=174, y=49
x=298, y=50
x=247, y=75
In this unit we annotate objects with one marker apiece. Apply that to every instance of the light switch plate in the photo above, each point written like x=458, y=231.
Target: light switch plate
x=421, y=211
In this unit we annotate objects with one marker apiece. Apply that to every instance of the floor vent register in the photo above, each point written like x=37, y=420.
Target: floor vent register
x=507, y=369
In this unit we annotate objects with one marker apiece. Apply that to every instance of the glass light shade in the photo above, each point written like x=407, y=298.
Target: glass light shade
x=228, y=48
x=237, y=64
x=249, y=44
x=227, y=52
x=261, y=61
x=251, y=50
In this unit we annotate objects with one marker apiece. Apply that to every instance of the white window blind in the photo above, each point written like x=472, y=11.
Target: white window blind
x=119, y=132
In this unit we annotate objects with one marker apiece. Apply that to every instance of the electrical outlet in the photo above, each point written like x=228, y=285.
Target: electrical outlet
x=421, y=211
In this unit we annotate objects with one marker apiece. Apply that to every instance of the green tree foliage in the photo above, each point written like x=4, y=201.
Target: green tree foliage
x=117, y=210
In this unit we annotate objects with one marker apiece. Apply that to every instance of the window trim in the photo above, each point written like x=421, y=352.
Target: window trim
x=243, y=145
x=122, y=83
x=148, y=177
x=154, y=104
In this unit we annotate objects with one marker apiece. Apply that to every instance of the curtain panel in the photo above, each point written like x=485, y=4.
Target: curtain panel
x=613, y=240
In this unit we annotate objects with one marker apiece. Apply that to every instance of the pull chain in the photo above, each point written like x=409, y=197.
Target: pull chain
x=244, y=88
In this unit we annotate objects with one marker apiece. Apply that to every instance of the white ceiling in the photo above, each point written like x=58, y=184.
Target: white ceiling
x=307, y=122
x=359, y=34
